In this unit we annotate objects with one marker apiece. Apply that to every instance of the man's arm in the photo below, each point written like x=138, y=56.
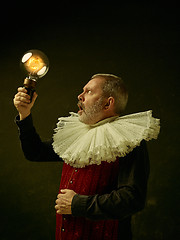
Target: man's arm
x=127, y=199
x=34, y=149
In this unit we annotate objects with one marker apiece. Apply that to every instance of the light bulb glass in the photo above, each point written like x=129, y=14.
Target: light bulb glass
x=35, y=64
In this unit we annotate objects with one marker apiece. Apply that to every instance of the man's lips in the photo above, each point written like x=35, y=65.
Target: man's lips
x=81, y=106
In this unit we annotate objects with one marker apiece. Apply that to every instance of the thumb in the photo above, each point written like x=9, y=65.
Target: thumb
x=63, y=190
x=34, y=97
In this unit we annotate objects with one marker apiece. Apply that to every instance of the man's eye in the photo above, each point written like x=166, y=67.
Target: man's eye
x=89, y=91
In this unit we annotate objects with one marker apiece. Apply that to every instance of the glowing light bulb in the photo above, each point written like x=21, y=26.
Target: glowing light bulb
x=35, y=64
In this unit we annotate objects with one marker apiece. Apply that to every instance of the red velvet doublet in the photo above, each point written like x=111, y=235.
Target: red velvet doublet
x=90, y=180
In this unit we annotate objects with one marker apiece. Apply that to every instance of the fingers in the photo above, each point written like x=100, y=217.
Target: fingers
x=22, y=89
x=61, y=203
x=22, y=102
x=22, y=98
x=60, y=206
x=63, y=191
x=64, y=201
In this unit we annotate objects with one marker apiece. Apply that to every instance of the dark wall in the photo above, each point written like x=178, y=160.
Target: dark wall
x=139, y=43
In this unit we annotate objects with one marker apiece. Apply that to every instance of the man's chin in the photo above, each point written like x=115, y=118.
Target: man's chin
x=83, y=118
x=86, y=120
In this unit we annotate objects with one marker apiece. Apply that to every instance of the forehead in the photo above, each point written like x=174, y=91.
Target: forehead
x=95, y=84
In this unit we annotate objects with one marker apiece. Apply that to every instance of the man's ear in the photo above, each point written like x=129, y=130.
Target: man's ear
x=109, y=103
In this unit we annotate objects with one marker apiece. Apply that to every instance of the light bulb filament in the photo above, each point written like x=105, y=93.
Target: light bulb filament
x=34, y=64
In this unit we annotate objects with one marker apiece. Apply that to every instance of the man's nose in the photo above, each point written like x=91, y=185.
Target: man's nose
x=81, y=97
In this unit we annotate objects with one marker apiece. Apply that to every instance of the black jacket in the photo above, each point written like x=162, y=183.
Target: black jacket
x=129, y=196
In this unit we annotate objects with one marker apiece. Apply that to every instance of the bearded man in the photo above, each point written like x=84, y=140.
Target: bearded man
x=105, y=160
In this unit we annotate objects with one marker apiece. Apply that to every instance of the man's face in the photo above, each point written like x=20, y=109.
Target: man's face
x=91, y=102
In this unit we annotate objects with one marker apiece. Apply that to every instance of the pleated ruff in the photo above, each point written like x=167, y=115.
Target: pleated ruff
x=90, y=180
x=80, y=145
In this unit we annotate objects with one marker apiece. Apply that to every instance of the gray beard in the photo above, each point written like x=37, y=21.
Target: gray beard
x=90, y=114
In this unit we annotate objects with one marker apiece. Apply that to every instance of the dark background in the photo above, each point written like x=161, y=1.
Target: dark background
x=140, y=43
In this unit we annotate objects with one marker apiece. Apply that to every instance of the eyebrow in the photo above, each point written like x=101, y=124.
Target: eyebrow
x=87, y=88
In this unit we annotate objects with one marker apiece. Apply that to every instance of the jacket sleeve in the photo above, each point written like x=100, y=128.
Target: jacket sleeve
x=129, y=196
x=34, y=149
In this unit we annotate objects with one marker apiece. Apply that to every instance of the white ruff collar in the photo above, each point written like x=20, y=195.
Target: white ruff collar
x=80, y=145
